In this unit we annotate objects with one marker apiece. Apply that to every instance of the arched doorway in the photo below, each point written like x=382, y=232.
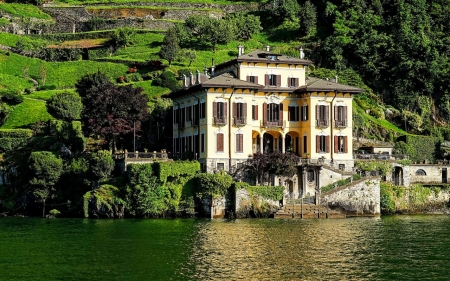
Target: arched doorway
x=398, y=176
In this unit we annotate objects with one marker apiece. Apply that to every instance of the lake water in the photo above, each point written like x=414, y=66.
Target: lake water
x=387, y=248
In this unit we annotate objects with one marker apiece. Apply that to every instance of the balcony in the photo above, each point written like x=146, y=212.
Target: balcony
x=322, y=123
x=219, y=121
x=273, y=123
x=194, y=122
x=340, y=123
x=240, y=121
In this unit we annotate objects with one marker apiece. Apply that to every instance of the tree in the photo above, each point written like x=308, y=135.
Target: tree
x=46, y=169
x=102, y=164
x=308, y=18
x=244, y=25
x=170, y=48
x=209, y=31
x=90, y=81
x=65, y=106
x=285, y=9
x=190, y=55
x=111, y=111
x=123, y=37
x=167, y=79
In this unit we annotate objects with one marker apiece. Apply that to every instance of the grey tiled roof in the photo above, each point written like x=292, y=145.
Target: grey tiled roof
x=228, y=80
x=261, y=56
x=314, y=84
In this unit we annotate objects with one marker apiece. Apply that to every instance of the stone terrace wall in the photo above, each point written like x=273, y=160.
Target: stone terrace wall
x=433, y=173
x=358, y=198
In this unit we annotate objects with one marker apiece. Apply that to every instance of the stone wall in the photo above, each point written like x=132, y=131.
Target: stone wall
x=358, y=198
x=328, y=176
x=243, y=204
x=433, y=173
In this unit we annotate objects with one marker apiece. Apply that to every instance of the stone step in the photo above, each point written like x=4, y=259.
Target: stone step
x=307, y=211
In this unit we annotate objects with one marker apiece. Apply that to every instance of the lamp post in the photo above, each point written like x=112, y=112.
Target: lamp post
x=134, y=136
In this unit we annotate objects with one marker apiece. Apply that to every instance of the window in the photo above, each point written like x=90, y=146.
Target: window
x=322, y=113
x=305, y=112
x=202, y=148
x=310, y=175
x=219, y=137
x=340, y=144
x=292, y=82
x=188, y=113
x=322, y=144
x=239, y=113
x=340, y=116
x=255, y=112
x=273, y=112
x=220, y=166
x=273, y=80
x=176, y=116
x=293, y=113
x=182, y=117
x=305, y=144
x=220, y=112
x=252, y=79
x=202, y=110
x=421, y=172
x=195, y=114
x=239, y=143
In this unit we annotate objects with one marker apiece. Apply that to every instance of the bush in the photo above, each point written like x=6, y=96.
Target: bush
x=65, y=106
x=133, y=77
x=15, y=133
x=168, y=80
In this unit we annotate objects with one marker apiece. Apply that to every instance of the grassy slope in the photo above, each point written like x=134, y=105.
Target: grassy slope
x=27, y=113
x=24, y=10
x=84, y=2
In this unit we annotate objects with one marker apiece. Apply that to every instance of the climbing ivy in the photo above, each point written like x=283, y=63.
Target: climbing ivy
x=164, y=170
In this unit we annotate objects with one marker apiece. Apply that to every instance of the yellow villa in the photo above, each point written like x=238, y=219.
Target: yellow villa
x=262, y=102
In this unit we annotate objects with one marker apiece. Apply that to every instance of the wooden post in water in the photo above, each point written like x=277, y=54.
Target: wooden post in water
x=327, y=207
x=301, y=210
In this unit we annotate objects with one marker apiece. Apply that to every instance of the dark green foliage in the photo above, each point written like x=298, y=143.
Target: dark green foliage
x=387, y=204
x=419, y=148
x=165, y=170
x=90, y=82
x=65, y=106
x=69, y=133
x=15, y=133
x=260, y=166
x=102, y=164
x=5, y=110
x=168, y=80
x=104, y=201
x=123, y=37
x=244, y=25
x=285, y=9
x=10, y=144
x=212, y=185
x=170, y=48
x=308, y=18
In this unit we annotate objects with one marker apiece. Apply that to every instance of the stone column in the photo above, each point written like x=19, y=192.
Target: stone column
x=304, y=181
x=283, y=139
x=261, y=143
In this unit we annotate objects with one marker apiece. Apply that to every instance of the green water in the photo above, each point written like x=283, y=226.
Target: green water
x=390, y=248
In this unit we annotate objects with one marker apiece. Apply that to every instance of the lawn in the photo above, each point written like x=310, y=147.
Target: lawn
x=46, y=94
x=13, y=83
x=24, y=10
x=151, y=91
x=27, y=113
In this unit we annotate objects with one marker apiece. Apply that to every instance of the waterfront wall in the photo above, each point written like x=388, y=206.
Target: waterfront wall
x=244, y=205
x=358, y=198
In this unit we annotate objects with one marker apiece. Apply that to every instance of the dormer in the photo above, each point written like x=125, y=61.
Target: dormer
x=269, y=56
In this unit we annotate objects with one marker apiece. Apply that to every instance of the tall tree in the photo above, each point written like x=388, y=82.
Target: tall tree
x=46, y=169
x=111, y=111
x=170, y=48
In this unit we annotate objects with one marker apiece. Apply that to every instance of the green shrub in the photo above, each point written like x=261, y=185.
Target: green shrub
x=164, y=170
x=15, y=133
x=9, y=144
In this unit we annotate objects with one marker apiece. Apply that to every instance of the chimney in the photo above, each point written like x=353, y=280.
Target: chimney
x=267, y=48
x=212, y=68
x=192, y=79
x=336, y=78
x=206, y=71
x=198, y=77
x=302, y=54
x=240, y=50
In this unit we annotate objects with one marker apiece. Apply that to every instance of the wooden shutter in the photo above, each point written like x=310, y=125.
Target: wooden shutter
x=265, y=112
x=239, y=142
x=327, y=112
x=225, y=107
x=220, y=142
x=296, y=82
x=336, y=112
x=234, y=110
x=278, y=80
x=317, y=112
x=317, y=143
x=289, y=113
x=256, y=112
x=327, y=144
x=289, y=82
x=345, y=115
x=256, y=79
x=267, y=79
x=244, y=111
x=336, y=144
x=214, y=109
x=248, y=78
x=345, y=145
x=281, y=112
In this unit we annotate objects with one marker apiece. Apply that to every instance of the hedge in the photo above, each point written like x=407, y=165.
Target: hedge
x=8, y=144
x=15, y=133
x=163, y=170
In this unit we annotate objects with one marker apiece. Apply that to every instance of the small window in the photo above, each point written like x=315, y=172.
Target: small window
x=220, y=166
x=272, y=80
x=293, y=82
x=421, y=172
x=305, y=144
x=202, y=110
x=252, y=79
x=293, y=113
x=270, y=57
x=305, y=113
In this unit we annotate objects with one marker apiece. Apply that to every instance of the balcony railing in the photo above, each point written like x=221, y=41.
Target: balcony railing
x=391, y=157
x=219, y=121
x=322, y=123
x=240, y=121
x=194, y=122
x=273, y=123
x=340, y=123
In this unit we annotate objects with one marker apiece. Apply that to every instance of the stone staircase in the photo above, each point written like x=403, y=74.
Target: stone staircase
x=308, y=211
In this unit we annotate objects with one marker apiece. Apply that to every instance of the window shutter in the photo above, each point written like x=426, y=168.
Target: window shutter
x=256, y=79
x=214, y=109
x=327, y=144
x=265, y=112
x=317, y=143
x=244, y=111
x=327, y=112
x=248, y=79
x=220, y=142
x=345, y=115
x=234, y=110
x=225, y=107
x=267, y=79
x=297, y=113
x=289, y=113
x=239, y=142
x=317, y=112
x=345, y=145
x=256, y=112
x=278, y=80
x=336, y=112
x=289, y=82
x=281, y=112
x=296, y=82
x=336, y=144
